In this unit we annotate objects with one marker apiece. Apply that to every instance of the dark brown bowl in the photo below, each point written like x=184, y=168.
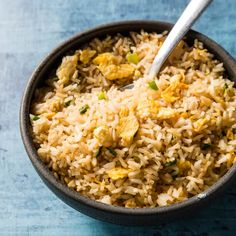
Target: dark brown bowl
x=113, y=214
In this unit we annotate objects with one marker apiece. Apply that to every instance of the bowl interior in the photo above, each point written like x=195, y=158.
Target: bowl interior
x=52, y=61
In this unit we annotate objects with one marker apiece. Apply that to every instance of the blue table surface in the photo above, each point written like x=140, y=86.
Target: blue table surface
x=29, y=29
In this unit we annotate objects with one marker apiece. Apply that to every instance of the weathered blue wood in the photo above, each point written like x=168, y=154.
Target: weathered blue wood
x=28, y=30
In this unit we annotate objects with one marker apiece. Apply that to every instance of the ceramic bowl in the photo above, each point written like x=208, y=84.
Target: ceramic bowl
x=114, y=214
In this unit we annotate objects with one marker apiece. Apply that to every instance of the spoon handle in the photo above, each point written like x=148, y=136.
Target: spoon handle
x=186, y=20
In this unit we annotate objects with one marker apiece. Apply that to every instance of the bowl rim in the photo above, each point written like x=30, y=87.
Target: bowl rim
x=72, y=194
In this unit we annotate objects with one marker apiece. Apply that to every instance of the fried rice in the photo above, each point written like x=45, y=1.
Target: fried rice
x=159, y=143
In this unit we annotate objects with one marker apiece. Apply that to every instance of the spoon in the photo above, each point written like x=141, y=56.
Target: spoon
x=193, y=10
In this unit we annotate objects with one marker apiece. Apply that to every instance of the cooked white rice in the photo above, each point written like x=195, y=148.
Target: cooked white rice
x=159, y=143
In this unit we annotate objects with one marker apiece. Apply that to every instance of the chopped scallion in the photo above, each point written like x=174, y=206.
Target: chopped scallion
x=152, y=85
x=205, y=146
x=226, y=86
x=112, y=151
x=174, y=174
x=83, y=109
x=223, y=133
x=66, y=104
x=132, y=58
x=55, y=78
x=170, y=163
x=34, y=118
x=99, y=151
x=101, y=96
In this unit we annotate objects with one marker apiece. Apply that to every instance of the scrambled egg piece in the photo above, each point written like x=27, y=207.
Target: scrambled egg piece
x=127, y=128
x=170, y=94
x=169, y=97
x=166, y=113
x=183, y=166
x=67, y=69
x=124, y=111
x=86, y=55
x=137, y=74
x=151, y=108
x=230, y=134
x=55, y=105
x=110, y=66
x=50, y=115
x=106, y=58
x=184, y=115
x=147, y=108
x=199, y=124
x=113, y=72
x=103, y=135
x=118, y=173
x=205, y=101
x=231, y=160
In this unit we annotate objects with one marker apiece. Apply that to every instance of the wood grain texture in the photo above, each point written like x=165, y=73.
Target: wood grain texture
x=28, y=30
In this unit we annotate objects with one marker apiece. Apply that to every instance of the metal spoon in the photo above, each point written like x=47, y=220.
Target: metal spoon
x=193, y=10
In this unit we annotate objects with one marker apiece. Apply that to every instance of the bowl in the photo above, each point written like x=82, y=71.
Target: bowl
x=101, y=211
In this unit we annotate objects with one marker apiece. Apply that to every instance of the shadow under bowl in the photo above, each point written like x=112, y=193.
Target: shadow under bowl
x=114, y=214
